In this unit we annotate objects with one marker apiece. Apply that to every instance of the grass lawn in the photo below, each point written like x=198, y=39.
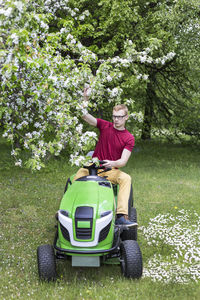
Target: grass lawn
x=165, y=182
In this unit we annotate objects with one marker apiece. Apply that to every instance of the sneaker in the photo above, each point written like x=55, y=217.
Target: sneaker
x=124, y=221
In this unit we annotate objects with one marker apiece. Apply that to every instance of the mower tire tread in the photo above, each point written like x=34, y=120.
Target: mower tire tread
x=46, y=263
x=131, y=259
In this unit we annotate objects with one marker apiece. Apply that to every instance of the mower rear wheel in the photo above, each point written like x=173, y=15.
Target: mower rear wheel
x=131, y=233
x=46, y=263
x=131, y=259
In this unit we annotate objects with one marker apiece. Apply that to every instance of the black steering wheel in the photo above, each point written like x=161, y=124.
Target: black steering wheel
x=93, y=168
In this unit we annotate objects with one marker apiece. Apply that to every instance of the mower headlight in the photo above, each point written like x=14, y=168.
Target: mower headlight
x=64, y=212
x=105, y=213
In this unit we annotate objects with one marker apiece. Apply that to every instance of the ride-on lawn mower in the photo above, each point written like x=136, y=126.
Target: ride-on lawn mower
x=86, y=231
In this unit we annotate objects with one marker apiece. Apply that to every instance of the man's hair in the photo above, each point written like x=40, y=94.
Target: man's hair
x=121, y=106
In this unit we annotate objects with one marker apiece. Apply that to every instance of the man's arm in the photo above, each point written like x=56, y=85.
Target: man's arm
x=88, y=118
x=120, y=162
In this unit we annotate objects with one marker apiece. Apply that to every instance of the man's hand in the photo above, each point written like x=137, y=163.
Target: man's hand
x=86, y=93
x=120, y=162
x=109, y=163
x=87, y=117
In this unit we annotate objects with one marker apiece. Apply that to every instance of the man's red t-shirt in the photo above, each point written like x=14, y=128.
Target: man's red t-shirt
x=112, y=142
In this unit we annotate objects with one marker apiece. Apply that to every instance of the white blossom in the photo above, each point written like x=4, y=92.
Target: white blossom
x=114, y=60
x=149, y=60
x=80, y=46
x=109, y=78
x=139, y=76
x=79, y=128
x=19, y=5
x=82, y=17
x=130, y=42
x=87, y=13
x=171, y=55
x=6, y=12
x=44, y=25
x=143, y=59
x=15, y=38
x=114, y=92
x=18, y=163
x=13, y=153
x=84, y=111
x=147, y=50
x=37, y=124
x=29, y=135
x=69, y=36
x=93, y=55
x=73, y=41
x=145, y=76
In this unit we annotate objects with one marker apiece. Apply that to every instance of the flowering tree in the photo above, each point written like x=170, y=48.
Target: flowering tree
x=43, y=74
x=171, y=27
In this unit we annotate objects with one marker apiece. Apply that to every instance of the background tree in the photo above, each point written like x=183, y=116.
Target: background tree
x=129, y=51
x=162, y=27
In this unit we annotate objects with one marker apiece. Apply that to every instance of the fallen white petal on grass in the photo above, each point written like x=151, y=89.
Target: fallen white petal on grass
x=177, y=243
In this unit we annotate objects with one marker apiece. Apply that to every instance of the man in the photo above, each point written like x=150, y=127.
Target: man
x=114, y=147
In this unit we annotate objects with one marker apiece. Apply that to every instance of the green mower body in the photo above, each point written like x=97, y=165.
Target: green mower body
x=87, y=215
x=86, y=231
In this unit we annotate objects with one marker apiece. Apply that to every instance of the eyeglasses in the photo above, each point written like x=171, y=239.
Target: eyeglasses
x=118, y=117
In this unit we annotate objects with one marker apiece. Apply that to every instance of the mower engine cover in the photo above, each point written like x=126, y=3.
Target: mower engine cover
x=86, y=215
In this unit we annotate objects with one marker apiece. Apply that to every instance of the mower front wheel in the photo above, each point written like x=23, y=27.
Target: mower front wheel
x=46, y=263
x=130, y=259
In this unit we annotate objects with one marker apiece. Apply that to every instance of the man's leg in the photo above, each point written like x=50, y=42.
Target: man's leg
x=124, y=180
x=81, y=172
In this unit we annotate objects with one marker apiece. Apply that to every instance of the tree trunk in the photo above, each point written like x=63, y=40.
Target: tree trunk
x=148, y=109
x=146, y=128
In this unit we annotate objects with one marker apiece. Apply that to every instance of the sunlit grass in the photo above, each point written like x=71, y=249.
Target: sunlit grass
x=165, y=180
